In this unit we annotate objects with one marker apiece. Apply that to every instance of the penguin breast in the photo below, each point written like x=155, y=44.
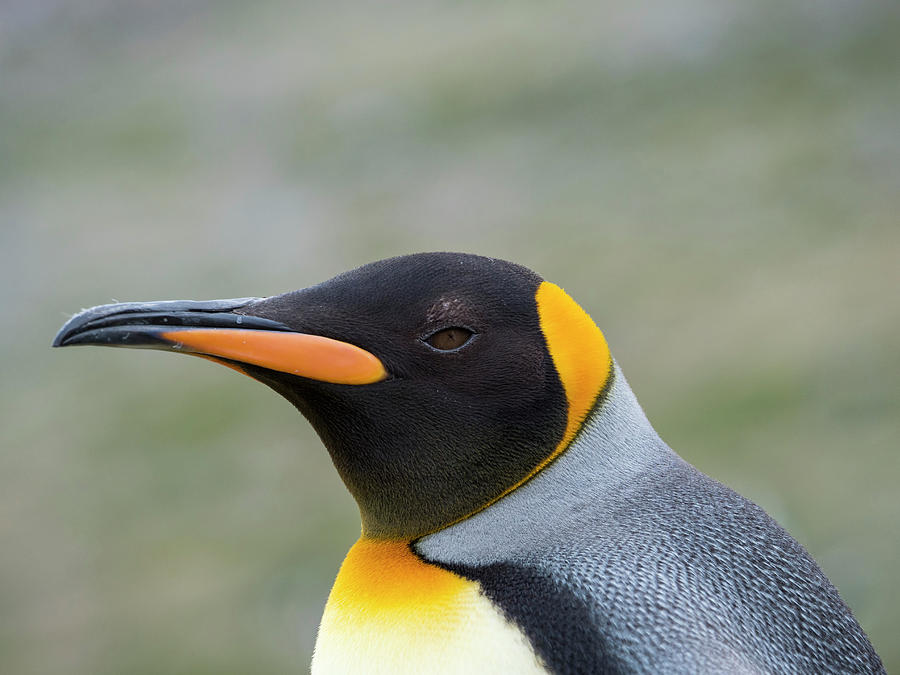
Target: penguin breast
x=391, y=612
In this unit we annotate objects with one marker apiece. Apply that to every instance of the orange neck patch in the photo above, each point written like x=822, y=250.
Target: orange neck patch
x=391, y=612
x=381, y=577
x=579, y=352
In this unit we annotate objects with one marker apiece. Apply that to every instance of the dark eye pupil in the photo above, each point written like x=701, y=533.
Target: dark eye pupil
x=449, y=338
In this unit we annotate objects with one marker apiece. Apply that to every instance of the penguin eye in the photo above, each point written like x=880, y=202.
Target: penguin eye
x=449, y=339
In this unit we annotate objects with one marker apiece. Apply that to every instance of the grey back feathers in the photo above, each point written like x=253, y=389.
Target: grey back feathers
x=621, y=557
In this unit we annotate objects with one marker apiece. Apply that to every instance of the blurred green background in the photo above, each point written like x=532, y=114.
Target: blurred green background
x=717, y=183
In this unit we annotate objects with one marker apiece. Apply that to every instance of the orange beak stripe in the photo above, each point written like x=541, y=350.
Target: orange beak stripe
x=312, y=356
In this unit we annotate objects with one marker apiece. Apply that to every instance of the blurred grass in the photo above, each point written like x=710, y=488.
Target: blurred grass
x=717, y=185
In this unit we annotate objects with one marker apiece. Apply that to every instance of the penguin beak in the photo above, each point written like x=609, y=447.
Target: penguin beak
x=215, y=330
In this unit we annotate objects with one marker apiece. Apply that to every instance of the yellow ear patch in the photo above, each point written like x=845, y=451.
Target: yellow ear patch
x=579, y=352
x=582, y=360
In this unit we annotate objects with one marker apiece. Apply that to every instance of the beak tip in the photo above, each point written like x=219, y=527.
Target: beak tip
x=60, y=339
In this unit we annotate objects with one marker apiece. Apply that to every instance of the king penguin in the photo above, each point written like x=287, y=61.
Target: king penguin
x=519, y=513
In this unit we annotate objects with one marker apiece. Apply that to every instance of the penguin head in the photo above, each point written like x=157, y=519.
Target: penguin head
x=438, y=382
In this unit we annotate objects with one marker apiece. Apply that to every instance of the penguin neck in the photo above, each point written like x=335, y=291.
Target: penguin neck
x=614, y=447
